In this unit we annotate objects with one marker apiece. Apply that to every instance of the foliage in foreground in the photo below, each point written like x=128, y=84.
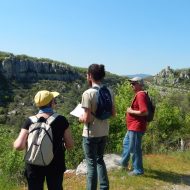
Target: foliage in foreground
x=11, y=162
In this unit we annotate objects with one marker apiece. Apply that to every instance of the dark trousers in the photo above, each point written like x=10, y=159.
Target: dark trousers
x=37, y=178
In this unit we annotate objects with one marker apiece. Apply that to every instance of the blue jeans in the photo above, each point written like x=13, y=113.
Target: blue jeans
x=94, y=151
x=132, y=147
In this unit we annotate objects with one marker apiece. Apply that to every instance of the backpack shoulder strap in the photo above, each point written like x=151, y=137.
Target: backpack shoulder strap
x=100, y=87
x=33, y=118
x=139, y=92
x=96, y=87
x=142, y=91
x=52, y=118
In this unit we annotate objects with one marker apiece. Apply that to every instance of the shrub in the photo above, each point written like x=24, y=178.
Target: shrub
x=3, y=119
x=11, y=162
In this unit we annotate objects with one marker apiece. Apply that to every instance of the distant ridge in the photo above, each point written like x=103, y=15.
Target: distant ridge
x=139, y=75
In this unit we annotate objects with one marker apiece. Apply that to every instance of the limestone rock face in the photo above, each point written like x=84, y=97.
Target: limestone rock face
x=13, y=67
x=172, y=77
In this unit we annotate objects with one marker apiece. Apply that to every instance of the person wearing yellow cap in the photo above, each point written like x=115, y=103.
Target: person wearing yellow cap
x=62, y=139
x=44, y=97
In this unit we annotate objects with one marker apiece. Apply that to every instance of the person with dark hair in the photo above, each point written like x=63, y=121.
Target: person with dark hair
x=95, y=130
x=53, y=173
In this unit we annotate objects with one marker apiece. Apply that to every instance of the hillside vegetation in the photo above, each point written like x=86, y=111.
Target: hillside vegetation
x=22, y=76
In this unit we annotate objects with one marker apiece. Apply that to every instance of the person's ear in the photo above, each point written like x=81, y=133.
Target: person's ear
x=51, y=103
x=90, y=76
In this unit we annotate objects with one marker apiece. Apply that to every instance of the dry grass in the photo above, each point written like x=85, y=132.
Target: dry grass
x=161, y=172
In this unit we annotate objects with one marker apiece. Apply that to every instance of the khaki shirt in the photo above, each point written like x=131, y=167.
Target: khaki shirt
x=96, y=128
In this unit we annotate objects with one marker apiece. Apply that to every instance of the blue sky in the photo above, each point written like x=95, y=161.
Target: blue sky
x=127, y=36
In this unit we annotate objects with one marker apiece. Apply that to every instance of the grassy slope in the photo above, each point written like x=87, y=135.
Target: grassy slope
x=161, y=172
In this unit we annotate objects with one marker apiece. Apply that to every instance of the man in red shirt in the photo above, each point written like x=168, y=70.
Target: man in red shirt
x=136, y=126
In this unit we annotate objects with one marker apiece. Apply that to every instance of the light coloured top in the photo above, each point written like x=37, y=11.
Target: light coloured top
x=97, y=128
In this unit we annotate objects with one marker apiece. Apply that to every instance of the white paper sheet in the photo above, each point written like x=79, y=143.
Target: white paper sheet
x=78, y=111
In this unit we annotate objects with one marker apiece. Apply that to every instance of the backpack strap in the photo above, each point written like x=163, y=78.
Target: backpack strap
x=88, y=125
x=141, y=91
x=96, y=87
x=33, y=119
x=51, y=118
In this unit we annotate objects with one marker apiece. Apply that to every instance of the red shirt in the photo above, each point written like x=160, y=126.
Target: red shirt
x=134, y=122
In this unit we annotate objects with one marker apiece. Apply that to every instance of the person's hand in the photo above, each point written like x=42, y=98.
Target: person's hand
x=81, y=119
x=129, y=110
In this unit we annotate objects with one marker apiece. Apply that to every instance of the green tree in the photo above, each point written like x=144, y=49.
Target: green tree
x=168, y=122
x=123, y=99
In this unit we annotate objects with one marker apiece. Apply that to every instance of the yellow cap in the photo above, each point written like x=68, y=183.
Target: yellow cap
x=44, y=97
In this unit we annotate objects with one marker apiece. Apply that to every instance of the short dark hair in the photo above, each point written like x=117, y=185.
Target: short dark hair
x=97, y=71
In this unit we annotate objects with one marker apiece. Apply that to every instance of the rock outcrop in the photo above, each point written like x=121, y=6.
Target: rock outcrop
x=109, y=159
x=33, y=69
x=172, y=77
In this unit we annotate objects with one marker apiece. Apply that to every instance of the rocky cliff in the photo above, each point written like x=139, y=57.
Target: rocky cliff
x=33, y=69
x=168, y=76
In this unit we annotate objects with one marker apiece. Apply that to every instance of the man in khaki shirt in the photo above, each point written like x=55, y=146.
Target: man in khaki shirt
x=95, y=131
